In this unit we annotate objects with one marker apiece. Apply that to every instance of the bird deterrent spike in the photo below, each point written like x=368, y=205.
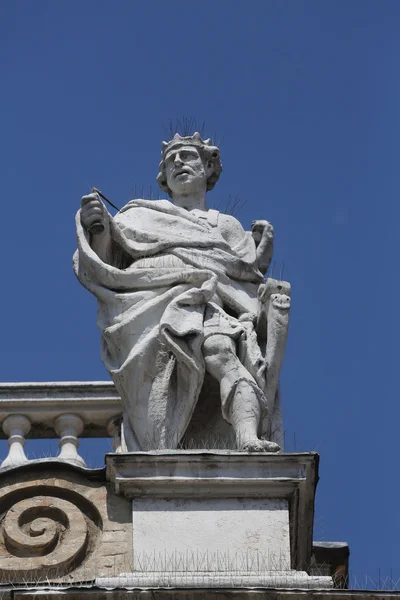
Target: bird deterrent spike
x=271, y=273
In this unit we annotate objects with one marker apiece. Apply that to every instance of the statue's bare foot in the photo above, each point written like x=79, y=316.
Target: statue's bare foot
x=256, y=445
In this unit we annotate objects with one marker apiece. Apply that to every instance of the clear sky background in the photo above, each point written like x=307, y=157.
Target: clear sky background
x=304, y=98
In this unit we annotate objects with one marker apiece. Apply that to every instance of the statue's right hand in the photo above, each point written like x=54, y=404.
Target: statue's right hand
x=92, y=211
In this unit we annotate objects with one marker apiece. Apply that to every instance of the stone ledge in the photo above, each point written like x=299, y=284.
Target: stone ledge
x=284, y=579
x=94, y=592
x=96, y=402
x=173, y=473
x=36, y=466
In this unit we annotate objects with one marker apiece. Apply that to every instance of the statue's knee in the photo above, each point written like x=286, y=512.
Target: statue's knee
x=219, y=347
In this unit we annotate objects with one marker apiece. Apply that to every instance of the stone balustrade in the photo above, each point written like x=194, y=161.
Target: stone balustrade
x=65, y=410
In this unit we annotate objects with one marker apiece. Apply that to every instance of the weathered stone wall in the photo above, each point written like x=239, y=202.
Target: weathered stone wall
x=61, y=523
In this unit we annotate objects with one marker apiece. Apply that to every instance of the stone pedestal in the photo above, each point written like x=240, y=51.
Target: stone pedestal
x=212, y=519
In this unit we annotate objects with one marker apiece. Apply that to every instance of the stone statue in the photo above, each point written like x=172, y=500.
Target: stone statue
x=182, y=300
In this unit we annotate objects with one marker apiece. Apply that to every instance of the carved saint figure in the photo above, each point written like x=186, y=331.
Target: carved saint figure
x=181, y=297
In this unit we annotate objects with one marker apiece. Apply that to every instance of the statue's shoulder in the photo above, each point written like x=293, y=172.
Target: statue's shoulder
x=229, y=222
x=146, y=204
x=231, y=229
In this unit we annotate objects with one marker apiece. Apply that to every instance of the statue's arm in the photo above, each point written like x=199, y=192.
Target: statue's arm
x=263, y=234
x=93, y=212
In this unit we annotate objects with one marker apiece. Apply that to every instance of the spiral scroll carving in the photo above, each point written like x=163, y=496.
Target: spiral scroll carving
x=45, y=535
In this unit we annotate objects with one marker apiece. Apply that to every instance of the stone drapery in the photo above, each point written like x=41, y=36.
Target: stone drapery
x=173, y=280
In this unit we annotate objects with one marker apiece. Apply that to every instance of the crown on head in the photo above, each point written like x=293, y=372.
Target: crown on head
x=189, y=140
x=206, y=151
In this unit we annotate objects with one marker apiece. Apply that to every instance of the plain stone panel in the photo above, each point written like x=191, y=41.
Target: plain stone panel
x=174, y=531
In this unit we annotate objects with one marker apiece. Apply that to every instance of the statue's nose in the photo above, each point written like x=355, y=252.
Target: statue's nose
x=178, y=160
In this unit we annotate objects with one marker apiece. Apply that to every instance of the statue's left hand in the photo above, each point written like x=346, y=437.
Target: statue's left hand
x=260, y=229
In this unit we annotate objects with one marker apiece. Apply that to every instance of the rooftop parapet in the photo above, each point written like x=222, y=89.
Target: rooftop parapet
x=65, y=409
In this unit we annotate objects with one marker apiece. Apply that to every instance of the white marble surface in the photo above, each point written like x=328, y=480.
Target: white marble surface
x=218, y=534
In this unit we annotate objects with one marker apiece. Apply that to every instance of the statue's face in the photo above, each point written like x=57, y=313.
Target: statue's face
x=185, y=171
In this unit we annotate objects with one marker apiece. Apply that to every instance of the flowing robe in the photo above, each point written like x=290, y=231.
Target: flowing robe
x=178, y=282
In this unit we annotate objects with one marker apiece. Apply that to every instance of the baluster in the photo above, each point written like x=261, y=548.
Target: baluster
x=114, y=431
x=16, y=428
x=69, y=427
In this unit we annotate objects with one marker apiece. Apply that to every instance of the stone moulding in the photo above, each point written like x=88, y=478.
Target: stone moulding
x=96, y=403
x=99, y=593
x=65, y=410
x=289, y=579
x=222, y=475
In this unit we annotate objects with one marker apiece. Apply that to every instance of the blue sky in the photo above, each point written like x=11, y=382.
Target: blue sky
x=303, y=97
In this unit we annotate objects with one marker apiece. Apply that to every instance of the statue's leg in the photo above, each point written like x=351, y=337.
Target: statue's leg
x=240, y=400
